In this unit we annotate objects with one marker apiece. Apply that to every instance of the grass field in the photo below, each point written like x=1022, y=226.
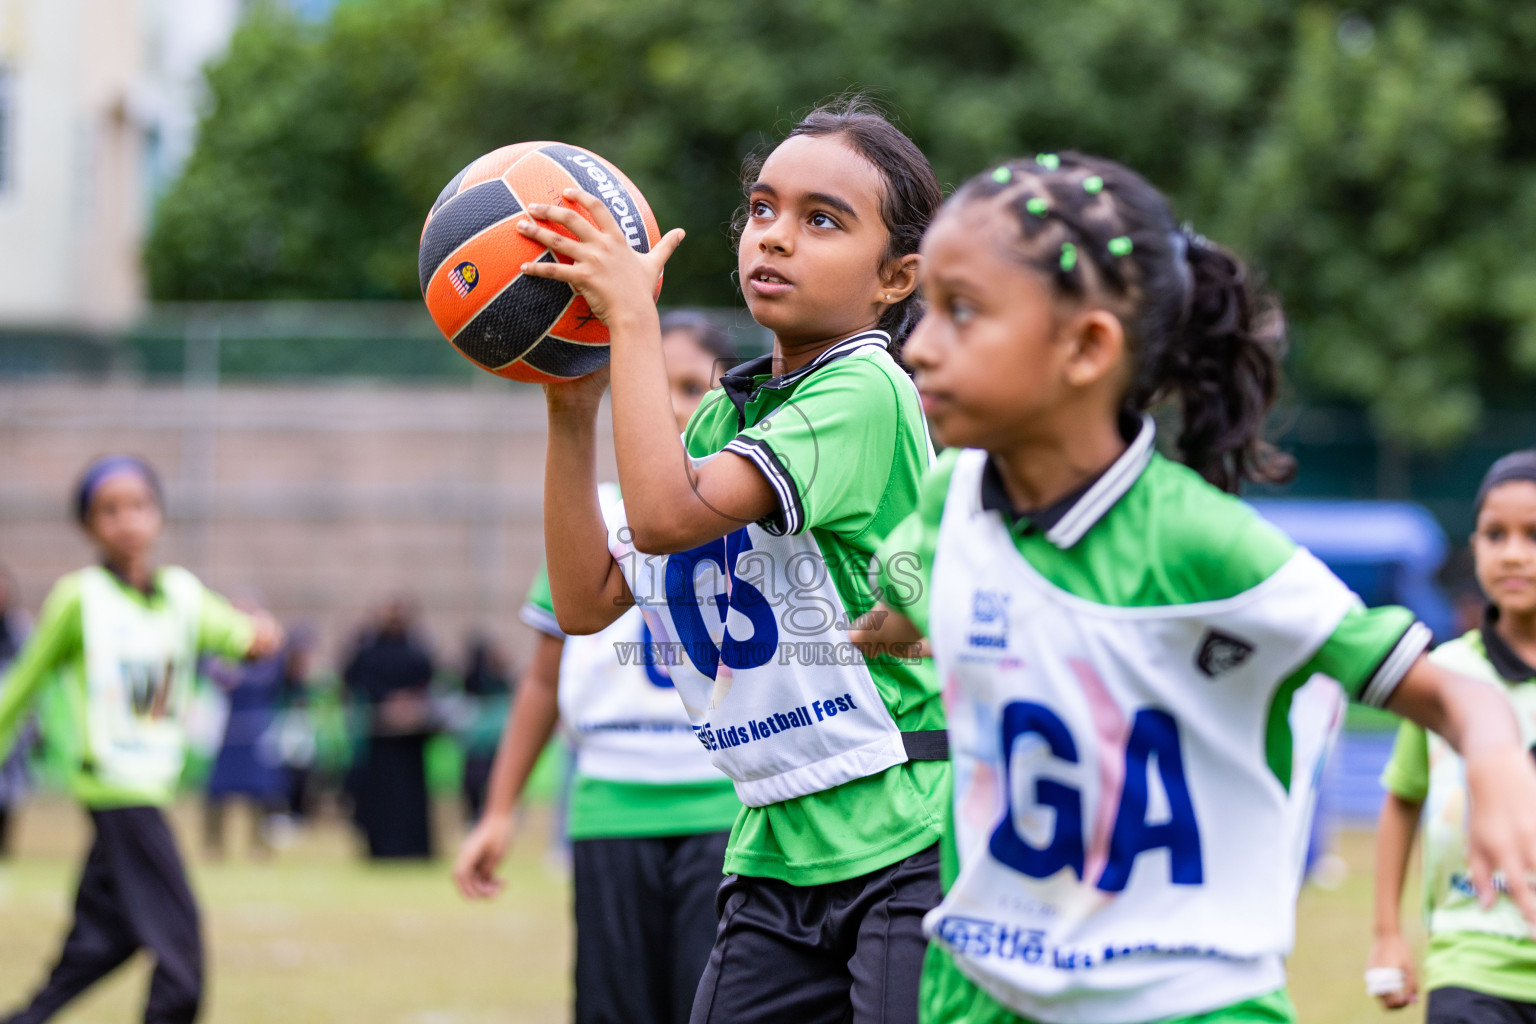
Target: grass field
x=315, y=936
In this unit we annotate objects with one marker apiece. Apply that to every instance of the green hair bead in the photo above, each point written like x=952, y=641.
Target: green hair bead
x=1120, y=246
x=1002, y=175
x=1050, y=161
x=1093, y=185
x=1037, y=206
x=1068, y=257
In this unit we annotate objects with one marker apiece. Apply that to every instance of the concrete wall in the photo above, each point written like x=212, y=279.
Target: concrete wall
x=102, y=106
x=326, y=498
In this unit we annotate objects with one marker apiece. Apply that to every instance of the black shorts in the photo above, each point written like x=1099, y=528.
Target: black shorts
x=645, y=922
x=1463, y=1006
x=848, y=951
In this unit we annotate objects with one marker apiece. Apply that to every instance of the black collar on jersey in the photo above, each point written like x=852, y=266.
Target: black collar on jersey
x=1066, y=521
x=741, y=384
x=1509, y=665
x=154, y=581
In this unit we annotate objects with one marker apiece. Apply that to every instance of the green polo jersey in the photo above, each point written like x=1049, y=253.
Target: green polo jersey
x=604, y=808
x=1148, y=533
x=844, y=445
x=53, y=666
x=1462, y=956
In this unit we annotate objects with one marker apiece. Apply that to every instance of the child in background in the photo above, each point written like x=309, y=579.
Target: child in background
x=649, y=815
x=1121, y=643
x=1481, y=966
x=121, y=640
x=15, y=778
x=755, y=530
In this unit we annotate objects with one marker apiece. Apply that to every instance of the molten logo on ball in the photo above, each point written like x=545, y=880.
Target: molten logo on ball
x=464, y=277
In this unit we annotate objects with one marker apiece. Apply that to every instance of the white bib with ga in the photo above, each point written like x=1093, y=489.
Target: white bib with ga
x=139, y=672
x=753, y=633
x=1126, y=851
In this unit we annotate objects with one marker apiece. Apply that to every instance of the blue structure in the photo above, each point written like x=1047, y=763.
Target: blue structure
x=1388, y=552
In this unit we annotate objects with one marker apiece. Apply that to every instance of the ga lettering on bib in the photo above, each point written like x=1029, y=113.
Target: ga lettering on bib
x=1115, y=813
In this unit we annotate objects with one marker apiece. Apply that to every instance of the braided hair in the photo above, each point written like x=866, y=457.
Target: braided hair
x=1199, y=332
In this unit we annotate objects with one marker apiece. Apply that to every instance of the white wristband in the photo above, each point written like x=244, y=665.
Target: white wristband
x=1384, y=981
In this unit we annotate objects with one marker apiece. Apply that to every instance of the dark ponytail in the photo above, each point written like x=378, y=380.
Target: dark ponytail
x=1201, y=335
x=912, y=194
x=1223, y=373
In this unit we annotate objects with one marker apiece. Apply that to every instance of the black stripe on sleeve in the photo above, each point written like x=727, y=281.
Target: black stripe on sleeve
x=1383, y=682
x=790, y=519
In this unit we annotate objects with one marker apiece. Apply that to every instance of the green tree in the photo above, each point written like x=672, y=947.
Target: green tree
x=1374, y=163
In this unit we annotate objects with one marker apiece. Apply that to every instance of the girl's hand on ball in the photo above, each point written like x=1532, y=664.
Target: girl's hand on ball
x=581, y=396
x=615, y=280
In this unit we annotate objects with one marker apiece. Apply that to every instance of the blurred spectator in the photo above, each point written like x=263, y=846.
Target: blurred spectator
x=293, y=737
x=389, y=675
x=488, y=686
x=248, y=764
x=15, y=624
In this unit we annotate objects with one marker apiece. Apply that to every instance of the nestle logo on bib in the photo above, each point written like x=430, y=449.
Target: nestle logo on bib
x=1220, y=652
x=989, y=619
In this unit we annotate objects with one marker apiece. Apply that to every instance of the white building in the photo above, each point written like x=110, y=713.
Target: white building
x=98, y=107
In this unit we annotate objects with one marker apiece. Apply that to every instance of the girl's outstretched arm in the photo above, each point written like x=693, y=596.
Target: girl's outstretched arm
x=1395, y=829
x=670, y=506
x=586, y=585
x=530, y=722
x=1501, y=777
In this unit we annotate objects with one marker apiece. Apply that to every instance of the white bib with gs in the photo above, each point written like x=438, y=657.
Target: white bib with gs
x=753, y=633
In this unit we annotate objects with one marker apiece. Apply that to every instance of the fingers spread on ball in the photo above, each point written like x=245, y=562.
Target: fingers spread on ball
x=598, y=209
x=554, y=241
x=580, y=227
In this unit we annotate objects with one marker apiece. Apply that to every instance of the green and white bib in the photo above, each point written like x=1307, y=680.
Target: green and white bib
x=754, y=632
x=139, y=669
x=753, y=626
x=1139, y=689
x=1448, y=893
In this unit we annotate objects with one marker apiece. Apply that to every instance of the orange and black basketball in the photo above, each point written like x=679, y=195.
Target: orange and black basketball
x=526, y=328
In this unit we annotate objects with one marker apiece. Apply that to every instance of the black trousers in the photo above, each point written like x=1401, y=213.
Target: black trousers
x=393, y=807
x=847, y=952
x=645, y=922
x=1464, y=1006
x=133, y=895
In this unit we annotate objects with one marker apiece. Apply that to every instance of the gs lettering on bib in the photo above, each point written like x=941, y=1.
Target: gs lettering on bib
x=753, y=633
x=1115, y=811
x=139, y=665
